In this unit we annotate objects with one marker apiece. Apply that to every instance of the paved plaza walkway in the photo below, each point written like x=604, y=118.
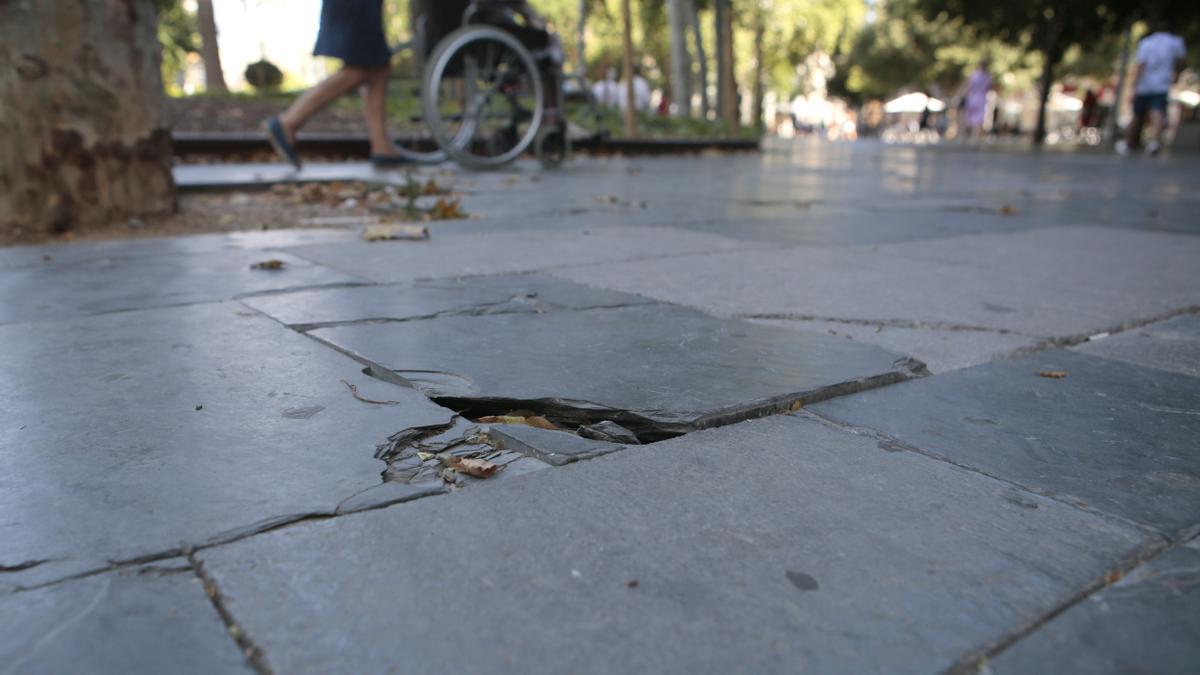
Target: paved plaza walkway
x=825, y=409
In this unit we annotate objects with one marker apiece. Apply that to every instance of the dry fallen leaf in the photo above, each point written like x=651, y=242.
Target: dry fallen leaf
x=530, y=421
x=479, y=468
x=271, y=264
x=1053, y=374
x=1008, y=210
x=389, y=231
x=446, y=209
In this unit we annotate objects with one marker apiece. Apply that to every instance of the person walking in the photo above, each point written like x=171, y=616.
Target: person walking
x=350, y=30
x=975, y=99
x=1160, y=60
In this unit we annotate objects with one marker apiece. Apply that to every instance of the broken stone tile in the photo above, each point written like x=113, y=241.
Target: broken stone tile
x=656, y=370
x=609, y=431
x=99, y=285
x=474, y=295
x=555, y=447
x=453, y=256
x=1172, y=345
x=798, y=544
x=1112, y=436
x=390, y=492
x=133, y=434
x=113, y=249
x=1050, y=282
x=939, y=349
x=150, y=619
x=1144, y=623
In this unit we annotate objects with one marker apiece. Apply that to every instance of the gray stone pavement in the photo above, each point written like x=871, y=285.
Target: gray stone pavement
x=212, y=468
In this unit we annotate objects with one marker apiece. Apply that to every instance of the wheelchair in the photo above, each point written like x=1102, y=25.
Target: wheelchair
x=491, y=86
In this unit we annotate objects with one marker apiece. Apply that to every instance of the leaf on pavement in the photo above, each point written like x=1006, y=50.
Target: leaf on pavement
x=479, y=468
x=386, y=232
x=529, y=421
x=271, y=264
x=1053, y=374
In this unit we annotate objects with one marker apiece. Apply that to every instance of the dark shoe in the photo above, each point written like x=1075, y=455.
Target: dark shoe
x=389, y=161
x=279, y=141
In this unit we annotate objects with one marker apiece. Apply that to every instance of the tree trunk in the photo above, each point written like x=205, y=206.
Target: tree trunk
x=627, y=61
x=581, y=40
x=701, y=57
x=756, y=107
x=85, y=139
x=681, y=64
x=726, y=83
x=720, y=8
x=1051, y=55
x=210, y=53
x=1110, y=124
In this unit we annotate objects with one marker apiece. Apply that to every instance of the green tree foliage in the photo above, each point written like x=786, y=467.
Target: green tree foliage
x=903, y=49
x=1049, y=27
x=179, y=35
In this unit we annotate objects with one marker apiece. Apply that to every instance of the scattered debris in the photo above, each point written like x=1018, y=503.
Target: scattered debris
x=529, y=420
x=609, y=431
x=1053, y=374
x=364, y=399
x=199, y=407
x=1008, y=210
x=393, y=231
x=339, y=221
x=632, y=583
x=479, y=468
x=272, y=264
x=446, y=209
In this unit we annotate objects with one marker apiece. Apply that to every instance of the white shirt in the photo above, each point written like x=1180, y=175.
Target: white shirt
x=606, y=93
x=1158, y=52
x=641, y=94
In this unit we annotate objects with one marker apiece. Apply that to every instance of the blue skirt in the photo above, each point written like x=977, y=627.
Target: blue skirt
x=352, y=30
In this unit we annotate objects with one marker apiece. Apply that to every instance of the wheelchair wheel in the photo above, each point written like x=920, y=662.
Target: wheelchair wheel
x=411, y=135
x=553, y=146
x=483, y=97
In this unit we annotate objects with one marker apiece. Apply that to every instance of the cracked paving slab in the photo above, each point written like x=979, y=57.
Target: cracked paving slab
x=1051, y=282
x=1172, y=345
x=1111, y=436
x=658, y=370
x=778, y=544
x=81, y=251
x=1144, y=623
x=510, y=293
x=68, y=289
x=133, y=434
x=940, y=349
x=146, y=619
x=505, y=252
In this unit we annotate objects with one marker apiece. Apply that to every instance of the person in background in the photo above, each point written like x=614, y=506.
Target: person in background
x=350, y=30
x=1160, y=60
x=641, y=93
x=606, y=91
x=1087, y=114
x=975, y=99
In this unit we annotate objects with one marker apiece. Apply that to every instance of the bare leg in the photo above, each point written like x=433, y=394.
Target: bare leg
x=1156, y=125
x=1133, y=133
x=375, y=109
x=314, y=100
